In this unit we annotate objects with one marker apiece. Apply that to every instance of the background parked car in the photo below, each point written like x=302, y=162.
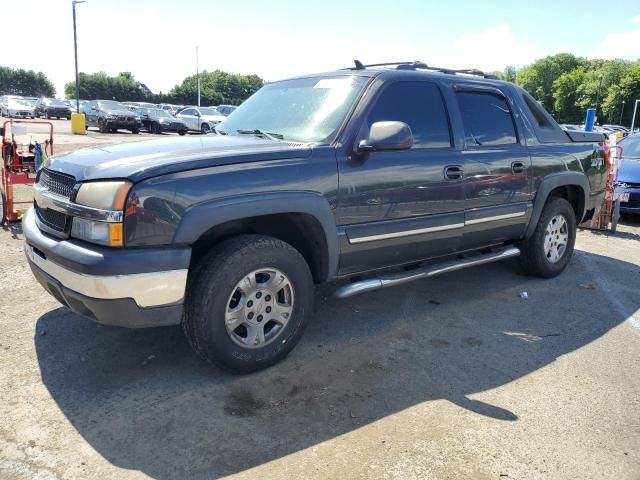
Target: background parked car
x=629, y=173
x=226, y=109
x=201, y=119
x=52, y=108
x=156, y=120
x=109, y=116
x=14, y=108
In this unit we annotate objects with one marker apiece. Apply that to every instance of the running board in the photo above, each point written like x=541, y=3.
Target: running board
x=391, y=280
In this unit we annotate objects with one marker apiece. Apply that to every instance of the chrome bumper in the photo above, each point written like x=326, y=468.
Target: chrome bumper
x=152, y=289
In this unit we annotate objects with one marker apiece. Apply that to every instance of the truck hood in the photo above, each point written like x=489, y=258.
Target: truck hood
x=141, y=160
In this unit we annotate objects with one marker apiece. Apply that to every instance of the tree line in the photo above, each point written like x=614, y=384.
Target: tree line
x=25, y=83
x=567, y=85
x=564, y=84
x=216, y=88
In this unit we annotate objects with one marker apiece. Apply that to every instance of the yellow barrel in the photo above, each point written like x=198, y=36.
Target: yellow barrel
x=78, y=124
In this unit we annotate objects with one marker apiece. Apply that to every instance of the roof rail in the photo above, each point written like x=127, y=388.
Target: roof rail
x=418, y=65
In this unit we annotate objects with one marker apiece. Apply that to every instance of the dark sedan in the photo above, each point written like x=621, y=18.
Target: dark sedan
x=156, y=120
x=629, y=174
x=52, y=108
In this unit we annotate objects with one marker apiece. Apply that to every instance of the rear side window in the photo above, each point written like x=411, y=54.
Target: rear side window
x=419, y=105
x=487, y=119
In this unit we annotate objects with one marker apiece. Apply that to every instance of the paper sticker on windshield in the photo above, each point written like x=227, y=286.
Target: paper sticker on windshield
x=333, y=83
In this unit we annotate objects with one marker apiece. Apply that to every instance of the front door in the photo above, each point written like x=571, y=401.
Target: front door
x=401, y=206
x=496, y=167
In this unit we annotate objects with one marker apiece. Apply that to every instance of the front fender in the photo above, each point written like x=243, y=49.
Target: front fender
x=200, y=218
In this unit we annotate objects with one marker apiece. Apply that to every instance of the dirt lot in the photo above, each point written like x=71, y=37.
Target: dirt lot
x=453, y=377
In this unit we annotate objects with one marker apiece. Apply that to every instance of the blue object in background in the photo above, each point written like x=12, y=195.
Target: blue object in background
x=38, y=156
x=589, y=119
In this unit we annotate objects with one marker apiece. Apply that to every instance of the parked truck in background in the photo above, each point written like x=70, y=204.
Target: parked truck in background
x=373, y=176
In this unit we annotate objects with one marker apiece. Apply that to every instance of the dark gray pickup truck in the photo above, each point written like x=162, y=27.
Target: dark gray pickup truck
x=373, y=176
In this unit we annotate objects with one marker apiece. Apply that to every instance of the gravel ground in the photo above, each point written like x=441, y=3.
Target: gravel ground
x=452, y=377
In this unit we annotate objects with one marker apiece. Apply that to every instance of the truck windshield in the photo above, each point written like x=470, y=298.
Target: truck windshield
x=299, y=110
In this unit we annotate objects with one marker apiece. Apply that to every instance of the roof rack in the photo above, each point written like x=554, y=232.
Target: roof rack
x=418, y=65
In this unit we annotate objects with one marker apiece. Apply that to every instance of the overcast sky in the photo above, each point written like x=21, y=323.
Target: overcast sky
x=156, y=40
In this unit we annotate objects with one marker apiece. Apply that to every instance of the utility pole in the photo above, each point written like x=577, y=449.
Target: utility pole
x=598, y=94
x=75, y=51
x=621, y=112
x=198, y=75
x=633, y=119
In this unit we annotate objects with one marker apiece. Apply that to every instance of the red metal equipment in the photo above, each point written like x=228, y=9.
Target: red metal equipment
x=18, y=166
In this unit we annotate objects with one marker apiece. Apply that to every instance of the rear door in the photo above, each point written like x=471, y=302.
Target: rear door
x=396, y=207
x=496, y=167
x=190, y=118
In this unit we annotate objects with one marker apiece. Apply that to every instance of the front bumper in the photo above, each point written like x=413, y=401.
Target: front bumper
x=122, y=287
x=633, y=205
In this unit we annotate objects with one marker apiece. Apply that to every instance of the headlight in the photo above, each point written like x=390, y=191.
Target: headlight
x=109, y=117
x=109, y=198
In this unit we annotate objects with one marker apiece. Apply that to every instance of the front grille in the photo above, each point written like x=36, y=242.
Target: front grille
x=58, y=183
x=125, y=119
x=52, y=218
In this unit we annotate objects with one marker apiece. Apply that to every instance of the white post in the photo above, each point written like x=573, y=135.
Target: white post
x=198, y=76
x=633, y=119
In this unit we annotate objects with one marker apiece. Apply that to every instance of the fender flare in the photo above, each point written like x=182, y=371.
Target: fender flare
x=202, y=217
x=548, y=184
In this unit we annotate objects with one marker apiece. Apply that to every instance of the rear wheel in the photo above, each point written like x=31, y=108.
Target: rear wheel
x=135, y=131
x=247, y=302
x=548, y=251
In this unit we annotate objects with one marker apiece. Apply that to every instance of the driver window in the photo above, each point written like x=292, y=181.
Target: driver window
x=419, y=105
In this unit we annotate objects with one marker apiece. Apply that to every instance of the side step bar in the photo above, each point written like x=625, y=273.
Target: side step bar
x=391, y=280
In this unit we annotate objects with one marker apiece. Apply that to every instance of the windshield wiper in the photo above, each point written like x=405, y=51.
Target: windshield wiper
x=257, y=131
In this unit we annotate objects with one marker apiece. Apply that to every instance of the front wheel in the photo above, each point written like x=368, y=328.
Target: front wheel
x=204, y=128
x=247, y=303
x=135, y=131
x=548, y=251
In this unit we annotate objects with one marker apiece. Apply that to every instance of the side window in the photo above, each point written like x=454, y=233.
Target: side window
x=188, y=111
x=419, y=105
x=486, y=118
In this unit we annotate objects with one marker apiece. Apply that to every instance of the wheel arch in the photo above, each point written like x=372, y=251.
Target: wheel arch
x=303, y=219
x=572, y=186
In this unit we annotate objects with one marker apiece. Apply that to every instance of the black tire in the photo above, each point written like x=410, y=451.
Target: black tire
x=135, y=131
x=214, y=280
x=155, y=128
x=113, y=130
x=533, y=259
x=102, y=126
x=182, y=132
x=204, y=128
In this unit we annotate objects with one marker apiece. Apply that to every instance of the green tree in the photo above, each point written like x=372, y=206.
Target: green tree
x=565, y=96
x=538, y=77
x=123, y=87
x=25, y=82
x=627, y=89
x=216, y=88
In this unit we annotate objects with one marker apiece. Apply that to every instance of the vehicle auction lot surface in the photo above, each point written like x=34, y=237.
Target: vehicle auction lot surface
x=452, y=377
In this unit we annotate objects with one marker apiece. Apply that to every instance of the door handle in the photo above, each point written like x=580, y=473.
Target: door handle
x=453, y=172
x=517, y=167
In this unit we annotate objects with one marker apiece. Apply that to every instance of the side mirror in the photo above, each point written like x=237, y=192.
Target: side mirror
x=387, y=136
x=93, y=107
